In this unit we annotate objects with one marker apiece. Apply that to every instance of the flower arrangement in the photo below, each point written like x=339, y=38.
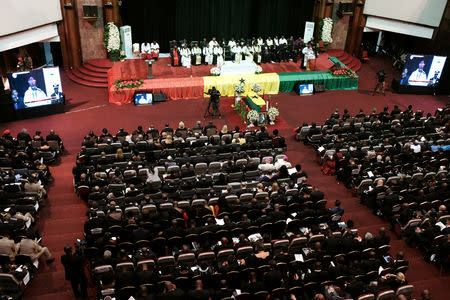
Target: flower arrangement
x=258, y=70
x=215, y=71
x=111, y=40
x=273, y=112
x=342, y=71
x=256, y=87
x=128, y=84
x=252, y=116
x=239, y=88
x=327, y=28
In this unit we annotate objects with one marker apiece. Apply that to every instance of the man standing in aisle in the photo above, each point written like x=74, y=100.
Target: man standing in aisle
x=308, y=53
x=380, y=82
x=74, y=268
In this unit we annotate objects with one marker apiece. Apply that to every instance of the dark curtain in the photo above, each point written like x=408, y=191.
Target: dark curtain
x=196, y=19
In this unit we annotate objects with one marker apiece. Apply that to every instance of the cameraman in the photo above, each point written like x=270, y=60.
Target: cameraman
x=214, y=95
x=381, y=76
x=74, y=267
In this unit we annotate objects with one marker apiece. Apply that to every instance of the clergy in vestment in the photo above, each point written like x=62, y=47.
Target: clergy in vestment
x=218, y=56
x=34, y=95
x=185, y=57
x=208, y=55
x=260, y=41
x=231, y=43
x=213, y=43
x=196, y=53
x=174, y=56
x=257, y=57
x=309, y=54
x=247, y=50
x=269, y=42
x=145, y=51
x=237, y=52
x=154, y=48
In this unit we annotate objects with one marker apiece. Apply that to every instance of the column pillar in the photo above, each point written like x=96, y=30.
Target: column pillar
x=72, y=33
x=111, y=8
x=353, y=43
x=328, y=8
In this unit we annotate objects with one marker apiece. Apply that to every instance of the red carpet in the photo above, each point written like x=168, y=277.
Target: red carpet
x=61, y=220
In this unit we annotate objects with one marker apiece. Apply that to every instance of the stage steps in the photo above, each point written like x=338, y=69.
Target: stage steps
x=350, y=61
x=93, y=73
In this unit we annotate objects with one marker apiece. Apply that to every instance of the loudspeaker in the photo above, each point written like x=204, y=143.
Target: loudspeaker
x=159, y=97
x=318, y=88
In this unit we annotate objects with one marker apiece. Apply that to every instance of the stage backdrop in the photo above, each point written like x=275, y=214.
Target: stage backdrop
x=194, y=19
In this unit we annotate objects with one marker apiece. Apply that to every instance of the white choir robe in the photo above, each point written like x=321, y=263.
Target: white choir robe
x=257, y=52
x=309, y=54
x=237, y=54
x=145, y=51
x=269, y=43
x=231, y=44
x=197, y=53
x=185, y=57
x=260, y=42
x=208, y=53
x=282, y=41
x=275, y=42
x=136, y=48
x=247, y=53
x=212, y=44
x=219, y=52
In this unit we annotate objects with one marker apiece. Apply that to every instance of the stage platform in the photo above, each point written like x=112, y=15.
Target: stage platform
x=167, y=79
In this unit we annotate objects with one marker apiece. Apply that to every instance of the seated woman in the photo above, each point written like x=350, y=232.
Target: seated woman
x=329, y=166
x=119, y=155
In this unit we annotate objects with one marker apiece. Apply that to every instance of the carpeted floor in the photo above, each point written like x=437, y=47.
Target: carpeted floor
x=61, y=220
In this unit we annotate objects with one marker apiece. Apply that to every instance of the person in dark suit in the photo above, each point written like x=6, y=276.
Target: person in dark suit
x=74, y=269
x=316, y=194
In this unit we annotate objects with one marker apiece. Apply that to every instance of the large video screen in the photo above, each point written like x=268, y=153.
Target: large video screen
x=35, y=88
x=423, y=70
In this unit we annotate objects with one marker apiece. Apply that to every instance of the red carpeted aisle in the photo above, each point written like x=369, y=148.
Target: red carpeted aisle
x=61, y=220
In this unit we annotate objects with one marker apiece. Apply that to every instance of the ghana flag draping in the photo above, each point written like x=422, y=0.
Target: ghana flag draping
x=269, y=82
x=288, y=80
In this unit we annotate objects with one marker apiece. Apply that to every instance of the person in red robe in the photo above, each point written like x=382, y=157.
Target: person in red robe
x=174, y=57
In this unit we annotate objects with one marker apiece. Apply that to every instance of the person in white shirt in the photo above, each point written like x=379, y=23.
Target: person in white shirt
x=34, y=95
x=145, y=51
x=282, y=41
x=267, y=166
x=218, y=53
x=269, y=42
x=237, y=51
x=282, y=162
x=276, y=41
x=308, y=52
x=415, y=147
x=208, y=55
x=154, y=49
x=418, y=77
x=196, y=53
x=213, y=43
x=136, y=50
x=185, y=57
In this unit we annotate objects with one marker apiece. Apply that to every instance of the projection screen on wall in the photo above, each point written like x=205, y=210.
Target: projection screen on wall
x=20, y=15
x=424, y=12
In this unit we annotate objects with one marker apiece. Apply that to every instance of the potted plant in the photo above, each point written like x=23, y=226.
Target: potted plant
x=252, y=117
x=273, y=113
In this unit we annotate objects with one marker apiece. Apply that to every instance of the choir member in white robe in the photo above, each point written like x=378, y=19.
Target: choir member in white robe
x=237, y=51
x=185, y=57
x=269, y=42
x=275, y=41
x=260, y=41
x=154, y=49
x=145, y=51
x=247, y=50
x=231, y=43
x=212, y=44
x=218, y=52
x=282, y=41
x=308, y=53
x=257, y=57
x=208, y=54
x=196, y=53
